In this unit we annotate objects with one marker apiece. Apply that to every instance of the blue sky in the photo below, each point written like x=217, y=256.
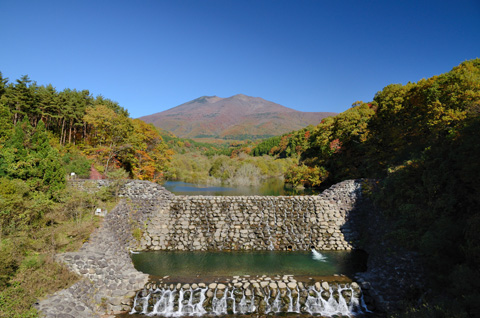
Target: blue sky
x=308, y=55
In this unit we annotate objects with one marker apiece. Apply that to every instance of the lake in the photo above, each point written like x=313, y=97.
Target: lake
x=273, y=187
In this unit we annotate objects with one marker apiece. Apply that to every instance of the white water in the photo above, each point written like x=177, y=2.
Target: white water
x=318, y=256
x=337, y=300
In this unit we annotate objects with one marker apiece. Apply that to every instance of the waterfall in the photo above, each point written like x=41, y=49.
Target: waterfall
x=318, y=256
x=337, y=299
x=134, y=304
x=293, y=307
x=219, y=306
x=165, y=303
x=276, y=305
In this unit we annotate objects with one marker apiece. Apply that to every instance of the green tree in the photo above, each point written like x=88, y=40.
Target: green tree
x=21, y=99
x=47, y=104
x=3, y=85
x=27, y=155
x=5, y=122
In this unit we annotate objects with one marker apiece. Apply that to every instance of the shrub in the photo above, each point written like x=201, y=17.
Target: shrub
x=78, y=164
x=301, y=175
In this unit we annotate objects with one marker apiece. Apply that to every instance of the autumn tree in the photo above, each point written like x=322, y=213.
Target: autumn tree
x=151, y=154
x=100, y=127
x=109, y=132
x=411, y=117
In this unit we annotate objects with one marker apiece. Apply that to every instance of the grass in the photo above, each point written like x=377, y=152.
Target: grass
x=28, y=270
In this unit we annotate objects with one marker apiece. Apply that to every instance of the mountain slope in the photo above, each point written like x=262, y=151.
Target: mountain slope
x=235, y=117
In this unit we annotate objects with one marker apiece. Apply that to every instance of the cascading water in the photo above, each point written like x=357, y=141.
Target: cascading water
x=219, y=305
x=318, y=256
x=294, y=306
x=338, y=299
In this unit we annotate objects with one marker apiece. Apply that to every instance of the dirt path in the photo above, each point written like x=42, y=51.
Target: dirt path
x=94, y=174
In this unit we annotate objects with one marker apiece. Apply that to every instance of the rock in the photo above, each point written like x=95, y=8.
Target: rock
x=325, y=286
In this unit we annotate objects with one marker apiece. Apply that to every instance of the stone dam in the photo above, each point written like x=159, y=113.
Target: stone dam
x=254, y=222
x=151, y=218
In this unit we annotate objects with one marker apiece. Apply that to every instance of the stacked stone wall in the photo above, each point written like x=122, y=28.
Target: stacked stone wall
x=170, y=222
x=256, y=222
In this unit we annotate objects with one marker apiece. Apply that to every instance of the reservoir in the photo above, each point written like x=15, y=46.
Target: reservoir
x=272, y=187
x=299, y=263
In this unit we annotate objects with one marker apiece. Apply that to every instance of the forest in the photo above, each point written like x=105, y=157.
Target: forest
x=81, y=127
x=418, y=143
x=46, y=135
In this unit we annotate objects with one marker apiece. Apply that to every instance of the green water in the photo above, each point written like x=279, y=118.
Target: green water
x=273, y=187
x=248, y=263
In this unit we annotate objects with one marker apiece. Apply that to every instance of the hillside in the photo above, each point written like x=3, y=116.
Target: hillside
x=236, y=117
x=419, y=145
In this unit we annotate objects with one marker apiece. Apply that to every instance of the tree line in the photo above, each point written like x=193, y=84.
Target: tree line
x=373, y=138
x=97, y=127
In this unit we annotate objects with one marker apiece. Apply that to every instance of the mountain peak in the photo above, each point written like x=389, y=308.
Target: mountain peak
x=206, y=99
x=244, y=97
x=238, y=116
x=241, y=96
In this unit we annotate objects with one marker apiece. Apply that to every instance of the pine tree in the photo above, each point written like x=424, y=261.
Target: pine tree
x=5, y=122
x=28, y=155
x=3, y=85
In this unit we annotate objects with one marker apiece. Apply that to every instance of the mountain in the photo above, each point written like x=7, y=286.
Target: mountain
x=236, y=117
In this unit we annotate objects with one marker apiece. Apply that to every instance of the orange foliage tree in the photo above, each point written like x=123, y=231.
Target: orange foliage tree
x=131, y=144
